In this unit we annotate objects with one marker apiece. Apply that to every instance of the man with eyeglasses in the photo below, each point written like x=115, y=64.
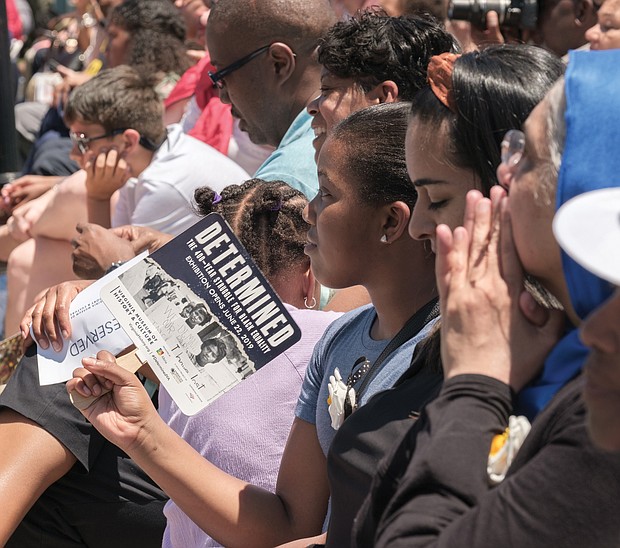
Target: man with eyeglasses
x=267, y=72
x=120, y=141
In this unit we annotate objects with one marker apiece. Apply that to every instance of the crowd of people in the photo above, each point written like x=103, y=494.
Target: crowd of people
x=436, y=202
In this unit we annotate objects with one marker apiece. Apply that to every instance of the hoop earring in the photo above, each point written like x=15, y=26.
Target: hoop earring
x=312, y=303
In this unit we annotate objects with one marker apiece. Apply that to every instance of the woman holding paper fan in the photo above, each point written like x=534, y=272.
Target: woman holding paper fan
x=48, y=436
x=358, y=235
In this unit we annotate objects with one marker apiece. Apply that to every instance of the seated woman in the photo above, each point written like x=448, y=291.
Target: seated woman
x=46, y=439
x=357, y=235
x=445, y=485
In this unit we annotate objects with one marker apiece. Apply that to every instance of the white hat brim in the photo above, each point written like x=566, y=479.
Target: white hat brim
x=588, y=229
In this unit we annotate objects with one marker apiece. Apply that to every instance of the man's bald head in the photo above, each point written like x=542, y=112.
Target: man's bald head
x=298, y=23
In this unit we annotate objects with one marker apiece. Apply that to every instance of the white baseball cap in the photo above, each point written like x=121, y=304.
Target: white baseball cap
x=587, y=227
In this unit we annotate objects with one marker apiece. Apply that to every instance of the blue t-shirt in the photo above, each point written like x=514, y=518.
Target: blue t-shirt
x=343, y=343
x=293, y=160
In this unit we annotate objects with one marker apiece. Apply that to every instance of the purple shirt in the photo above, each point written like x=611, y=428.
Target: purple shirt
x=244, y=431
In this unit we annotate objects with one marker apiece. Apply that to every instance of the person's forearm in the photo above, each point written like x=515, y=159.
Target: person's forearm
x=99, y=212
x=231, y=511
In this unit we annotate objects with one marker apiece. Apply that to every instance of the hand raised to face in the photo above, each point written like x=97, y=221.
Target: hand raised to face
x=488, y=326
x=105, y=174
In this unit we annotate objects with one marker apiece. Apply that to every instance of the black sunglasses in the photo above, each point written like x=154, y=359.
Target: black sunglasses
x=218, y=77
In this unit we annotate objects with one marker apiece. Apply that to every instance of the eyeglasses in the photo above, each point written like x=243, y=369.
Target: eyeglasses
x=82, y=142
x=217, y=78
x=512, y=148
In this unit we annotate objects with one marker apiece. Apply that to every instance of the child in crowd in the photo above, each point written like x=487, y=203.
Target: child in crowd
x=121, y=143
x=47, y=434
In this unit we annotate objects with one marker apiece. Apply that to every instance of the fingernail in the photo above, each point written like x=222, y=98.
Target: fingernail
x=43, y=344
x=65, y=334
x=86, y=391
x=56, y=346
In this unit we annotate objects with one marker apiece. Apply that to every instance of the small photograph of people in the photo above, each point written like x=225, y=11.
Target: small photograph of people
x=196, y=314
x=211, y=351
x=218, y=344
x=184, y=320
x=148, y=283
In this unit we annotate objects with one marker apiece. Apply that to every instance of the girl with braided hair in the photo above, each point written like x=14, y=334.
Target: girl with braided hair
x=266, y=217
x=243, y=432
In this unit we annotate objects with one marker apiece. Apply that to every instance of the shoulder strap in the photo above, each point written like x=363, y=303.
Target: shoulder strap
x=414, y=325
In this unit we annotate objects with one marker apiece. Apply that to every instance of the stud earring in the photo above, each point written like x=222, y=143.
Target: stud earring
x=384, y=239
x=312, y=303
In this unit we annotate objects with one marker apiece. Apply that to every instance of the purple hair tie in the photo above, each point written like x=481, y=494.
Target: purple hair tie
x=276, y=207
x=216, y=198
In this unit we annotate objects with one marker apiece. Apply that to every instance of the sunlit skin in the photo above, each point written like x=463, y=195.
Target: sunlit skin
x=240, y=86
x=251, y=90
x=441, y=185
x=606, y=33
x=339, y=261
x=601, y=332
x=338, y=98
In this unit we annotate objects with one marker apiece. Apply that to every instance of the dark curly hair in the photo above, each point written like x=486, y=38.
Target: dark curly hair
x=374, y=143
x=373, y=47
x=267, y=216
x=494, y=91
x=157, y=34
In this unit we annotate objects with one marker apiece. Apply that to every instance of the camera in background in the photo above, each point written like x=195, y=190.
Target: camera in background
x=520, y=14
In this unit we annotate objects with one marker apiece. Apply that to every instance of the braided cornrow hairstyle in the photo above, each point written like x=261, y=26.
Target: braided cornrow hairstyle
x=267, y=216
